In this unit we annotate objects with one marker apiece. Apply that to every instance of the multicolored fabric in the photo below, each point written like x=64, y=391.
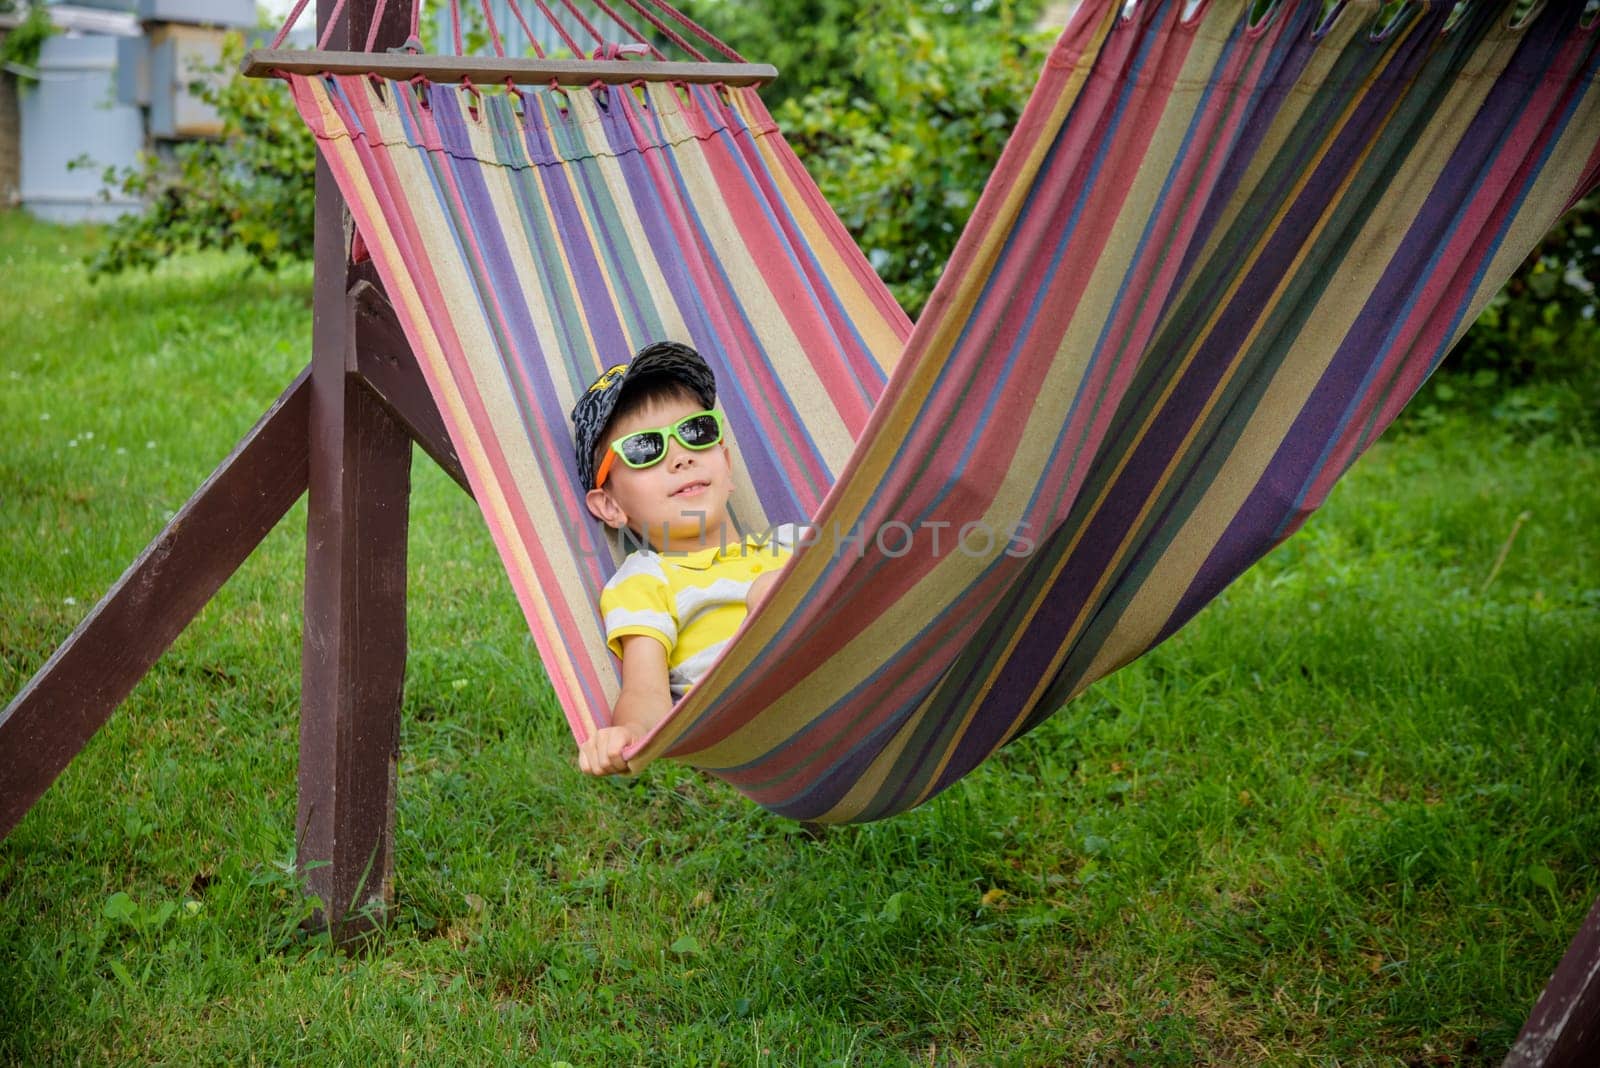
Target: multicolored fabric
x=525, y=241
x=692, y=603
x=1214, y=261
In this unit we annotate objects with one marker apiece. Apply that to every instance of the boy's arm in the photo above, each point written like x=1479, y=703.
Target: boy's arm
x=645, y=699
x=760, y=589
x=788, y=537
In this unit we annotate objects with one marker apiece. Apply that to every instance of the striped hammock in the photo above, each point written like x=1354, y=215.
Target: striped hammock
x=1213, y=263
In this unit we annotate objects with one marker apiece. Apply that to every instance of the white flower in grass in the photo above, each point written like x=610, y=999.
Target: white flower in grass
x=44, y=417
x=69, y=601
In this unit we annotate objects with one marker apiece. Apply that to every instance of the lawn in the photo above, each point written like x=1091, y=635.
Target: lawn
x=1348, y=816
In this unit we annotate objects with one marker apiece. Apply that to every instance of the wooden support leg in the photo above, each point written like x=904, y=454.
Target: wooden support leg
x=1563, y=1031
x=73, y=695
x=355, y=637
x=353, y=661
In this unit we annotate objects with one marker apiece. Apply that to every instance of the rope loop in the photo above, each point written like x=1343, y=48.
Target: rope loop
x=475, y=107
x=557, y=90
x=418, y=83
x=519, y=106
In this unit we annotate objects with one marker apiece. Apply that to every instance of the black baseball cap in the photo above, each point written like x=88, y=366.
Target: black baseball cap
x=591, y=413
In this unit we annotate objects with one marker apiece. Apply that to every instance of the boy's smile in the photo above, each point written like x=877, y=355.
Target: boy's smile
x=678, y=504
x=693, y=489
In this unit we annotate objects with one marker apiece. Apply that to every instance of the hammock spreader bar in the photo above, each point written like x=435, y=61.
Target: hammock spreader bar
x=1214, y=261
x=496, y=71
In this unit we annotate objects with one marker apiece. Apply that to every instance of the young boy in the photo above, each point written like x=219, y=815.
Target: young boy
x=652, y=457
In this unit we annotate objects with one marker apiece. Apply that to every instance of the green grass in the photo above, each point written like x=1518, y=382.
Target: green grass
x=1346, y=817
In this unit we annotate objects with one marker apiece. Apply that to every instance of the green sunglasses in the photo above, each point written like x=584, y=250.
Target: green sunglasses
x=646, y=448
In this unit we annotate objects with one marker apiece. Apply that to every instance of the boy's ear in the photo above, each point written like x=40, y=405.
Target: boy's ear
x=605, y=508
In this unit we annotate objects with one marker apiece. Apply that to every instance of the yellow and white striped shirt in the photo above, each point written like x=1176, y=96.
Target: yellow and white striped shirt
x=691, y=602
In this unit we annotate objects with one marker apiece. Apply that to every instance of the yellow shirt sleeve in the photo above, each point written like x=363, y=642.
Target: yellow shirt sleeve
x=637, y=600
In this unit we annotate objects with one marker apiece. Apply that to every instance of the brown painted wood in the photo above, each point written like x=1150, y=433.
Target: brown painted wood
x=75, y=692
x=495, y=70
x=354, y=653
x=385, y=364
x=354, y=650
x=1563, y=1031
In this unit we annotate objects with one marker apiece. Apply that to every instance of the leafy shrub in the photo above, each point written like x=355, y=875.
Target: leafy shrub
x=250, y=189
x=1531, y=362
x=19, y=50
x=903, y=164
x=834, y=44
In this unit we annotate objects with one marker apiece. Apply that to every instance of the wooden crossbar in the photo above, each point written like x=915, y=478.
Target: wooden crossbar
x=497, y=70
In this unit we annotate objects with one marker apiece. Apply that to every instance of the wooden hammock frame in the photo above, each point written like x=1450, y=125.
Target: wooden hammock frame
x=342, y=432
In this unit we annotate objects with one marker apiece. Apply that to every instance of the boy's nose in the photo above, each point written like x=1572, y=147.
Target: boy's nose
x=677, y=455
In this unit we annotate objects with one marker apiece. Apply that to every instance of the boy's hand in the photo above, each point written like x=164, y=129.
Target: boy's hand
x=601, y=752
x=645, y=698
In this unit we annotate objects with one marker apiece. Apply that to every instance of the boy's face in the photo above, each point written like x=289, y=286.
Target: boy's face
x=680, y=503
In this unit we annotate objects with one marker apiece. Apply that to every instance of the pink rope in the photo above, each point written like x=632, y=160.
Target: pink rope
x=327, y=31
x=294, y=16
x=596, y=34
x=691, y=25
x=667, y=31
x=474, y=109
x=631, y=30
x=516, y=9
x=419, y=86
x=577, y=49
x=494, y=31
x=377, y=21
x=550, y=16
x=498, y=39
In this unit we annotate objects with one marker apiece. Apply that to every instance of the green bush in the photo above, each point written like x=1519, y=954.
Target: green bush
x=19, y=50
x=249, y=189
x=903, y=163
x=899, y=110
x=835, y=44
x=1531, y=362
